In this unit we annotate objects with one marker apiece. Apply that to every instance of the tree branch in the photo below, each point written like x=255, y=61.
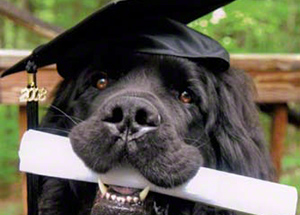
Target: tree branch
x=29, y=21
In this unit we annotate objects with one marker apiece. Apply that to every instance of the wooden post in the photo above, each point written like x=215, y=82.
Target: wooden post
x=279, y=125
x=22, y=129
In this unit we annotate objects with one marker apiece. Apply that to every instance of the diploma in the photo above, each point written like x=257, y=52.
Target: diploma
x=52, y=155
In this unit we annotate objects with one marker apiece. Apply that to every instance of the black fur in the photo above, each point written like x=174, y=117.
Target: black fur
x=218, y=129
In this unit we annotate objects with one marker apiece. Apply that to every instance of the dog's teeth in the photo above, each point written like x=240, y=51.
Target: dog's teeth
x=121, y=199
x=102, y=187
x=107, y=195
x=136, y=199
x=113, y=197
x=144, y=193
x=129, y=199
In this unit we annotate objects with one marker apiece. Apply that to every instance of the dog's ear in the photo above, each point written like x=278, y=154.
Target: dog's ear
x=234, y=127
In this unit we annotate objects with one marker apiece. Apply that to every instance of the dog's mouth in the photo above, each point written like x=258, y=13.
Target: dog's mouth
x=117, y=200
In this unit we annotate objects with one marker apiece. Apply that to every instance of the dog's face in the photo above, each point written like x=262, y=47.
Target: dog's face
x=147, y=117
x=166, y=117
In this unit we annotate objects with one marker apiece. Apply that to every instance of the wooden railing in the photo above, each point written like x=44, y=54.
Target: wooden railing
x=277, y=79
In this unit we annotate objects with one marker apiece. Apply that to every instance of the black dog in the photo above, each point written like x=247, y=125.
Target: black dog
x=166, y=117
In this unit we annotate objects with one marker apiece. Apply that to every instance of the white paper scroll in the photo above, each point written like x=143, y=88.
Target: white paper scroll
x=52, y=155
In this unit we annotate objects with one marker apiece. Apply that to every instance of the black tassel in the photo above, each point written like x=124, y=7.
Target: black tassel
x=33, y=181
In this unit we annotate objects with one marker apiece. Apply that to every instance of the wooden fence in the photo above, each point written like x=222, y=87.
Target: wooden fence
x=277, y=79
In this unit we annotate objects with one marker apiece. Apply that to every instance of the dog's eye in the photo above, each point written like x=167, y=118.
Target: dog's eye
x=100, y=81
x=185, y=97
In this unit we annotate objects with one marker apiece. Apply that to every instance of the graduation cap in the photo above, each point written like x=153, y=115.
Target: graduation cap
x=153, y=27
x=136, y=26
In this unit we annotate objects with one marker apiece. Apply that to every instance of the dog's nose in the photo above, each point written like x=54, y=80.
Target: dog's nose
x=131, y=117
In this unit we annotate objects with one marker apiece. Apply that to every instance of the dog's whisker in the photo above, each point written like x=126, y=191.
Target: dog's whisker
x=54, y=129
x=65, y=114
x=200, y=146
x=67, y=119
x=195, y=140
x=196, y=143
x=62, y=115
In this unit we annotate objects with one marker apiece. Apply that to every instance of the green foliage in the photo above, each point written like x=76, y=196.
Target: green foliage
x=63, y=13
x=8, y=144
x=251, y=26
x=291, y=171
x=11, y=208
x=256, y=26
x=291, y=161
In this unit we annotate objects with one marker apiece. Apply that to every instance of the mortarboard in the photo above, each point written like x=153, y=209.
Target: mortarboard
x=145, y=26
x=154, y=27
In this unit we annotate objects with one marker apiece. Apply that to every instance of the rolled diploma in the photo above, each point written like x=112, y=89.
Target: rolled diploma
x=52, y=155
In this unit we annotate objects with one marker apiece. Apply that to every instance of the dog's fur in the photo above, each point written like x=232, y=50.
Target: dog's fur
x=218, y=129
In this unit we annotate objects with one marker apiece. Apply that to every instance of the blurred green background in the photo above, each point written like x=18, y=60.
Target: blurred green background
x=245, y=26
